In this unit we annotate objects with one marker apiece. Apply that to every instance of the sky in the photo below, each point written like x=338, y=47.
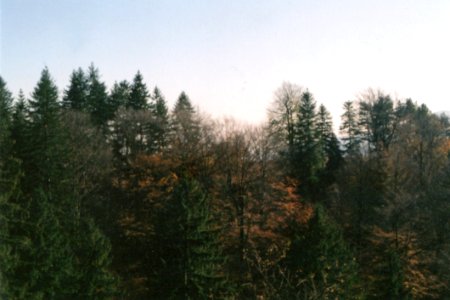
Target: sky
x=230, y=56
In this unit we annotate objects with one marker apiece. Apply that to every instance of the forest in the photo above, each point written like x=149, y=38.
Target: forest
x=107, y=193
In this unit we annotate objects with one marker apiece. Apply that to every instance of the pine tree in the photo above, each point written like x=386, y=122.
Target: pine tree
x=75, y=96
x=139, y=93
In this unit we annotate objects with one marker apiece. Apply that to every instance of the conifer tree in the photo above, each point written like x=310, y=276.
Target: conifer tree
x=75, y=96
x=139, y=94
x=159, y=129
x=320, y=261
x=197, y=268
x=350, y=128
x=185, y=128
x=329, y=150
x=118, y=97
x=9, y=177
x=50, y=224
x=97, y=98
x=306, y=154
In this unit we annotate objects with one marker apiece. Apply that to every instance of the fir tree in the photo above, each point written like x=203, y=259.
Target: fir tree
x=139, y=94
x=9, y=178
x=159, y=129
x=118, y=97
x=97, y=98
x=320, y=261
x=350, y=129
x=75, y=96
x=306, y=161
x=193, y=256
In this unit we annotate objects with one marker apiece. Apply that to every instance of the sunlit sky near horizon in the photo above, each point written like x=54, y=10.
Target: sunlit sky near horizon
x=230, y=56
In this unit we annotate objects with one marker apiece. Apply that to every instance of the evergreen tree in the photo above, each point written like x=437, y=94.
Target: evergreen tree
x=138, y=94
x=185, y=127
x=97, y=98
x=75, y=96
x=320, y=262
x=159, y=129
x=44, y=147
x=193, y=258
x=49, y=226
x=350, y=129
x=306, y=154
x=9, y=177
x=118, y=97
x=329, y=150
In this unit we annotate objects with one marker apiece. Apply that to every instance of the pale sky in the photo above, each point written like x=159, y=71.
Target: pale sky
x=231, y=55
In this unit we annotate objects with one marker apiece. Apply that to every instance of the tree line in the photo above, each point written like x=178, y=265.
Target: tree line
x=109, y=194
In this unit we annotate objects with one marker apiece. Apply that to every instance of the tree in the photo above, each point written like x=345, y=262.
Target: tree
x=350, y=129
x=158, y=133
x=283, y=115
x=185, y=128
x=49, y=224
x=119, y=97
x=196, y=270
x=9, y=181
x=306, y=155
x=320, y=261
x=97, y=97
x=75, y=96
x=329, y=148
x=138, y=93
x=377, y=120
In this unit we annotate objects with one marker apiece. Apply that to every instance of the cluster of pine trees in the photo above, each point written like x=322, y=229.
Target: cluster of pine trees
x=108, y=194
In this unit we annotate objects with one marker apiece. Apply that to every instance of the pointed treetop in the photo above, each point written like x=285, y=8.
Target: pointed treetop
x=183, y=104
x=139, y=93
x=5, y=98
x=160, y=105
x=45, y=95
x=75, y=96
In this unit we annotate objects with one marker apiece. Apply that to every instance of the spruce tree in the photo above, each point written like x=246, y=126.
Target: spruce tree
x=120, y=93
x=158, y=132
x=9, y=178
x=139, y=94
x=75, y=96
x=306, y=158
x=320, y=262
x=97, y=98
x=204, y=270
x=350, y=129
x=49, y=228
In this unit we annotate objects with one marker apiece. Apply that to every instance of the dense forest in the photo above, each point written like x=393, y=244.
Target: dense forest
x=111, y=194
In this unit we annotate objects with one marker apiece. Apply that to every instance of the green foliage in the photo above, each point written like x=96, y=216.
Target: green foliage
x=97, y=98
x=321, y=262
x=138, y=93
x=194, y=258
x=350, y=129
x=118, y=97
x=158, y=131
x=75, y=96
